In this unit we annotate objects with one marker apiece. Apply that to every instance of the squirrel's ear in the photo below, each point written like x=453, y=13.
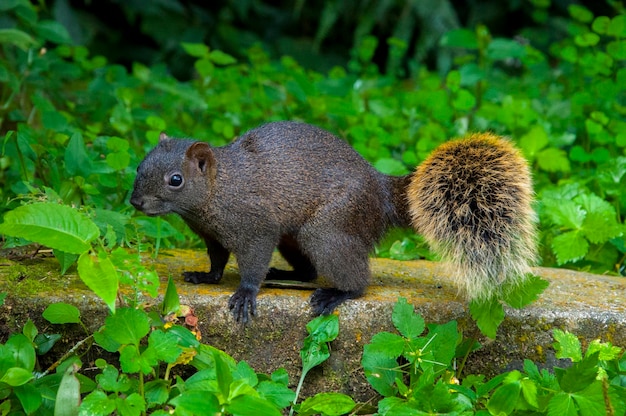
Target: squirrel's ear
x=199, y=157
x=163, y=136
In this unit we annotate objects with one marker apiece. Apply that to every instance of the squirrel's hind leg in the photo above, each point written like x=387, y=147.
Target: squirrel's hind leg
x=303, y=269
x=342, y=259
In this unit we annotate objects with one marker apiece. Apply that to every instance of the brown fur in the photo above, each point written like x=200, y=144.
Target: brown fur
x=299, y=188
x=471, y=199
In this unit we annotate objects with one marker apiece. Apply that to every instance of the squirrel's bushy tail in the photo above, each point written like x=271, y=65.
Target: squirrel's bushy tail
x=471, y=200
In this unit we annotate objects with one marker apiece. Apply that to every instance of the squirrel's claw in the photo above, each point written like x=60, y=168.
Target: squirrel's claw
x=243, y=304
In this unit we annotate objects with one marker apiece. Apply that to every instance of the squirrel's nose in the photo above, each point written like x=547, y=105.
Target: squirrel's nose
x=136, y=201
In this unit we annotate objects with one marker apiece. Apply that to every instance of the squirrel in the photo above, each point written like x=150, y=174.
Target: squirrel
x=299, y=188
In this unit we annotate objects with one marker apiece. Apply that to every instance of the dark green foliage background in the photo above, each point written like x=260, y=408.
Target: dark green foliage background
x=83, y=96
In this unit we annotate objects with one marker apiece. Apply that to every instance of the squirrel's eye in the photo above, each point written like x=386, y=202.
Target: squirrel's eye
x=176, y=180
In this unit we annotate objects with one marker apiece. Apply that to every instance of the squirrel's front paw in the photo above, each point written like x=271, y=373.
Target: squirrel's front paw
x=202, y=277
x=243, y=304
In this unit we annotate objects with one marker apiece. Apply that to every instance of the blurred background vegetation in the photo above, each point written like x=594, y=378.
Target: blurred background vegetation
x=86, y=87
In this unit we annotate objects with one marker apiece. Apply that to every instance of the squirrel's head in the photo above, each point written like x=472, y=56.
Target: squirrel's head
x=174, y=177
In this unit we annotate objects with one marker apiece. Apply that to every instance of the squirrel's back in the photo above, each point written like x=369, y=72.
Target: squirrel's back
x=472, y=201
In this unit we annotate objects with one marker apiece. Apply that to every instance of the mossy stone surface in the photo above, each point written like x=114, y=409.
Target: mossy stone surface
x=590, y=306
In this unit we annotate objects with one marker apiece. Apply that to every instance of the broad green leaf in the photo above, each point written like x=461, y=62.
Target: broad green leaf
x=443, y=339
x=580, y=13
x=29, y=397
x=525, y=293
x=606, y=351
x=68, y=395
x=488, y=315
x=62, y=313
x=322, y=330
x=533, y=141
x=127, y=326
x=22, y=350
x=504, y=399
x=156, y=392
x=381, y=371
x=66, y=260
x=388, y=344
x=580, y=375
x=591, y=401
x=569, y=246
x=57, y=226
x=501, y=48
x=196, y=402
x=77, y=161
x=132, y=405
x=562, y=404
x=18, y=38
x=617, y=27
x=45, y=342
x=221, y=58
x=30, y=330
x=330, y=404
x=599, y=228
x=278, y=394
x=97, y=403
x=251, y=405
x=406, y=321
x=460, y=38
x=100, y=275
x=53, y=31
x=197, y=50
x=390, y=166
x=567, y=345
x=164, y=345
x=16, y=376
x=171, y=302
x=553, y=160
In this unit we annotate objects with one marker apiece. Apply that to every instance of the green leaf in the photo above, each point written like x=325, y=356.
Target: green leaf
x=127, y=326
x=601, y=25
x=197, y=50
x=406, y=321
x=322, y=330
x=30, y=330
x=100, y=275
x=525, y=293
x=156, y=392
x=66, y=260
x=388, y=344
x=499, y=49
x=45, y=342
x=606, y=351
x=278, y=394
x=132, y=405
x=580, y=375
x=62, y=313
x=580, y=13
x=53, y=31
x=380, y=371
x=16, y=376
x=567, y=345
x=569, y=246
x=165, y=346
x=390, y=166
x=460, y=38
x=97, y=403
x=553, y=160
x=196, y=402
x=77, y=161
x=330, y=404
x=29, y=397
x=53, y=225
x=443, y=344
x=505, y=398
x=488, y=315
x=562, y=404
x=171, y=302
x=18, y=38
x=68, y=395
x=617, y=27
x=250, y=405
x=617, y=49
x=533, y=141
x=23, y=352
x=221, y=58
